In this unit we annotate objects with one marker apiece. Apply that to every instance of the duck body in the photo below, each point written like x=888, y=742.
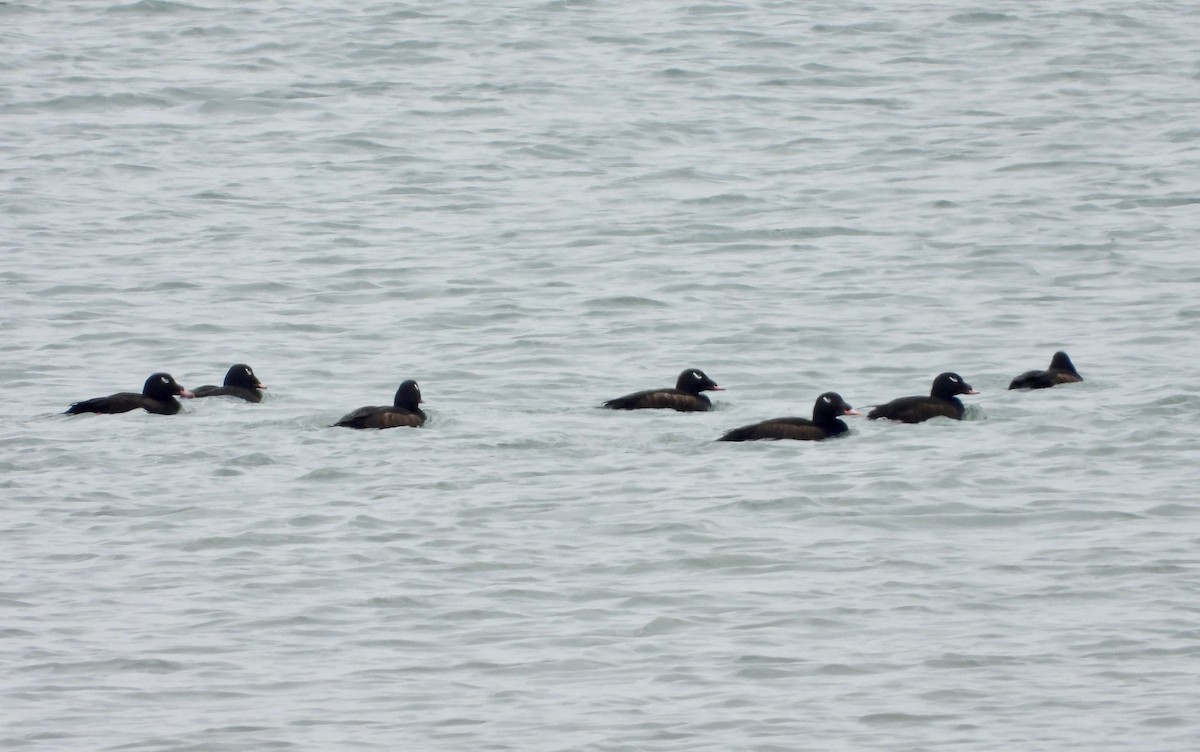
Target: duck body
x=1061, y=371
x=825, y=424
x=942, y=402
x=685, y=397
x=158, y=397
x=404, y=412
x=240, y=382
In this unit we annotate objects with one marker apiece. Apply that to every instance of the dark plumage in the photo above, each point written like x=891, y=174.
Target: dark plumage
x=240, y=382
x=824, y=424
x=1061, y=371
x=158, y=396
x=404, y=412
x=941, y=402
x=685, y=397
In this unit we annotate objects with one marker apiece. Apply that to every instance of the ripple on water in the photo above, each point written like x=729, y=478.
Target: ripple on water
x=533, y=209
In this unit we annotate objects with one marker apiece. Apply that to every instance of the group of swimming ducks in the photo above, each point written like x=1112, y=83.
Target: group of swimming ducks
x=158, y=396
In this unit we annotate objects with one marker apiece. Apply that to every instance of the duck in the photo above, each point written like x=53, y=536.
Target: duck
x=942, y=402
x=1061, y=371
x=404, y=411
x=825, y=423
x=240, y=382
x=685, y=397
x=158, y=397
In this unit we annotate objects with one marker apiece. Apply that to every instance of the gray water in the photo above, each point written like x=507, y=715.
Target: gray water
x=533, y=207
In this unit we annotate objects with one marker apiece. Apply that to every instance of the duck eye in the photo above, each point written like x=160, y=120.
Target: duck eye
x=826, y=400
x=164, y=379
x=696, y=375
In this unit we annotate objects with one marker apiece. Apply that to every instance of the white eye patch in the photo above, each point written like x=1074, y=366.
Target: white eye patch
x=164, y=379
x=826, y=400
x=696, y=375
x=954, y=380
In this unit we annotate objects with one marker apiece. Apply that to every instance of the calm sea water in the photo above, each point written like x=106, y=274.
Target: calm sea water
x=533, y=207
